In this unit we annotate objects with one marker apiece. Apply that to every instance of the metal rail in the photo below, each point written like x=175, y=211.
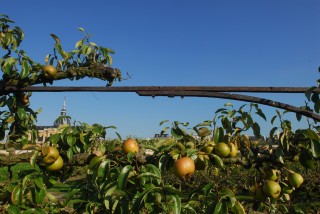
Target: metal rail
x=158, y=88
x=222, y=92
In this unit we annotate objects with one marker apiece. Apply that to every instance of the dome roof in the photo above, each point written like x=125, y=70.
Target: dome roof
x=63, y=118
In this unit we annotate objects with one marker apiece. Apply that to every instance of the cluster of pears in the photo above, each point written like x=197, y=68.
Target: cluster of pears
x=51, y=158
x=223, y=150
x=185, y=166
x=271, y=186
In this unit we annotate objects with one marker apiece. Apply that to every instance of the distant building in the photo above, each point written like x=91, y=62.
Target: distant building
x=63, y=119
x=46, y=131
x=161, y=135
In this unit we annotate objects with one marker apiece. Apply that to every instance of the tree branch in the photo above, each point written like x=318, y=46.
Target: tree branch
x=240, y=97
x=95, y=70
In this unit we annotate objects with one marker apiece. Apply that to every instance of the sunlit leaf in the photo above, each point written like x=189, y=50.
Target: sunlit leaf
x=71, y=140
x=177, y=204
x=218, y=161
x=13, y=209
x=108, y=192
x=79, y=44
x=16, y=195
x=25, y=69
x=123, y=176
x=218, y=135
x=21, y=113
x=218, y=209
x=40, y=194
x=315, y=148
x=55, y=38
x=33, y=158
x=238, y=208
x=70, y=153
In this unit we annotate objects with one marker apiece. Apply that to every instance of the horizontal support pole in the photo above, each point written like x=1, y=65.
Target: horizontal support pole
x=248, y=89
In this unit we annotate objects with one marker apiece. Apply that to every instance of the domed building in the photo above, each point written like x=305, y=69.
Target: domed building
x=63, y=119
x=45, y=131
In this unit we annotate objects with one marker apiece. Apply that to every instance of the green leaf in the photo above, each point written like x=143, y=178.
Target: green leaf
x=149, y=175
x=314, y=97
x=317, y=106
x=298, y=116
x=79, y=44
x=162, y=122
x=273, y=119
x=71, y=195
x=104, y=168
x=21, y=113
x=55, y=38
x=168, y=189
x=76, y=201
x=163, y=160
x=256, y=129
x=71, y=140
x=225, y=123
x=151, y=168
x=272, y=131
x=306, y=159
x=309, y=92
x=218, y=161
x=189, y=208
x=39, y=211
x=13, y=209
x=238, y=208
x=218, y=208
x=176, y=204
x=142, y=197
x=123, y=176
x=249, y=119
x=218, y=135
x=92, y=44
x=300, y=208
x=16, y=195
x=40, y=194
x=33, y=158
x=70, y=153
x=231, y=196
x=315, y=148
x=39, y=182
x=261, y=114
x=54, y=138
x=310, y=134
x=220, y=109
x=81, y=29
x=206, y=189
x=109, y=189
x=231, y=113
x=25, y=70
x=29, y=211
x=177, y=133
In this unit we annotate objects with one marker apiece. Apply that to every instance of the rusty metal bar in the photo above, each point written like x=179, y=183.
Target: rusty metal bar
x=159, y=88
x=188, y=91
x=239, y=97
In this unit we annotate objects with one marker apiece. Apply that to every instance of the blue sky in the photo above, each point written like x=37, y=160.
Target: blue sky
x=168, y=43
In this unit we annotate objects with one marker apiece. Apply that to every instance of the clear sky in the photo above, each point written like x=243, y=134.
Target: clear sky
x=174, y=43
